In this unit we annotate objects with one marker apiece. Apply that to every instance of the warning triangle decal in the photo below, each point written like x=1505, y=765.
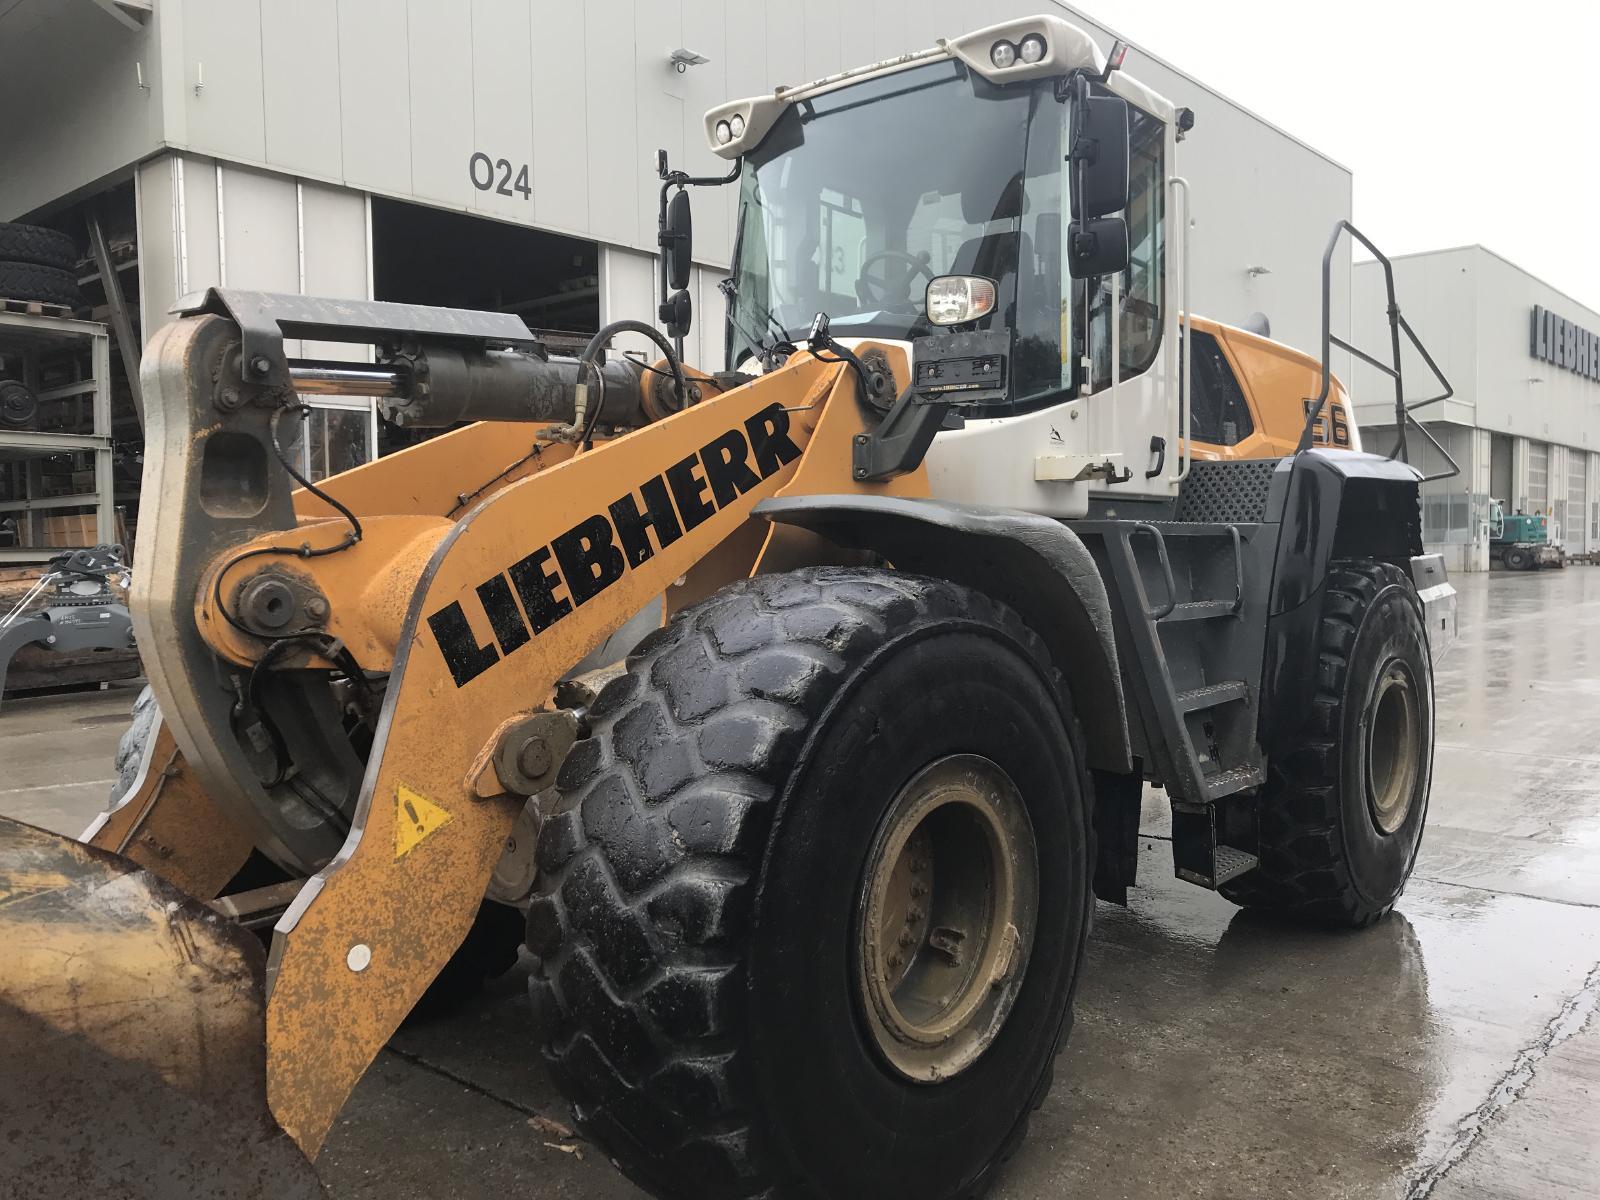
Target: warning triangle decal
x=415, y=817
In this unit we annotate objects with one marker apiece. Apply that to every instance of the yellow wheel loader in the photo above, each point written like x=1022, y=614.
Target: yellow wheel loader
x=795, y=711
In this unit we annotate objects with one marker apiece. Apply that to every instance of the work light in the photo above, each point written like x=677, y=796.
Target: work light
x=957, y=299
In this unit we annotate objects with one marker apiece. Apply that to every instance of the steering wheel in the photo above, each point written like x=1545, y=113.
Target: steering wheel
x=871, y=289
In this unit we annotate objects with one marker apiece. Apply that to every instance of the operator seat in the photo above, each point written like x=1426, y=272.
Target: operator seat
x=996, y=254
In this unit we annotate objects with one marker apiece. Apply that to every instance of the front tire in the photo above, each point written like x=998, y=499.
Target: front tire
x=1342, y=811
x=735, y=862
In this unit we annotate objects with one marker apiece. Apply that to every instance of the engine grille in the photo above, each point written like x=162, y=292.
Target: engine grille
x=1230, y=491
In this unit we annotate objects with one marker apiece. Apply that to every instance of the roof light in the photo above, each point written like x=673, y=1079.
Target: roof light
x=1003, y=54
x=957, y=299
x=724, y=132
x=736, y=124
x=1032, y=48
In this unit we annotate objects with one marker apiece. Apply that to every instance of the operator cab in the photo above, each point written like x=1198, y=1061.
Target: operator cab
x=856, y=192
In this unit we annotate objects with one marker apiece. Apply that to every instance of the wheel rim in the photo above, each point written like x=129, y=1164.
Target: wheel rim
x=1394, y=729
x=945, y=917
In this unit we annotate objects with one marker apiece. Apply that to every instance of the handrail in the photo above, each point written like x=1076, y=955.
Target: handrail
x=1397, y=325
x=1180, y=441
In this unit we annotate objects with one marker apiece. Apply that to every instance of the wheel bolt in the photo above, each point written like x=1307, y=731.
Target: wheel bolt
x=905, y=937
x=894, y=962
x=918, y=890
x=915, y=915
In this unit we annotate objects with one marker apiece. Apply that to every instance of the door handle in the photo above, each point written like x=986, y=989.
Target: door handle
x=1158, y=447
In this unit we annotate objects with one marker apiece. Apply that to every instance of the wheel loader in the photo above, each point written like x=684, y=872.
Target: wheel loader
x=797, y=710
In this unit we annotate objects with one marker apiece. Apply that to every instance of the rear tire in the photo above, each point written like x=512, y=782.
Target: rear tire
x=1342, y=811
x=1517, y=559
x=706, y=893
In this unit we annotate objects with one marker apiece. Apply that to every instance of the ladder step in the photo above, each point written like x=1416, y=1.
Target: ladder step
x=1226, y=783
x=1201, y=610
x=1227, y=862
x=1212, y=695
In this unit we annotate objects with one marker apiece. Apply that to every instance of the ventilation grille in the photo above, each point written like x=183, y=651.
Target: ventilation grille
x=1230, y=492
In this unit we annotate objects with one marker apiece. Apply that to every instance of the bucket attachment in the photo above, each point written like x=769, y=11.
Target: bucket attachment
x=132, y=1036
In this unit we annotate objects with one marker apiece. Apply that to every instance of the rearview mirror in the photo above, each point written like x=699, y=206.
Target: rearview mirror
x=1098, y=247
x=677, y=241
x=1099, y=175
x=677, y=314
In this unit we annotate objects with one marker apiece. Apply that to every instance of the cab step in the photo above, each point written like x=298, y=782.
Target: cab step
x=1201, y=610
x=1197, y=854
x=1230, y=782
x=1212, y=695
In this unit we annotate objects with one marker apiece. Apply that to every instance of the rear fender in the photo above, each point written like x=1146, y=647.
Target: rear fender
x=1036, y=566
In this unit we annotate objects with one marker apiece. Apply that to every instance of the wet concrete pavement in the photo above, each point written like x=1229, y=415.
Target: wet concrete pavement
x=1452, y=1051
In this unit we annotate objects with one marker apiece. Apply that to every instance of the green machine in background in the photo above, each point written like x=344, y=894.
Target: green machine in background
x=1521, y=541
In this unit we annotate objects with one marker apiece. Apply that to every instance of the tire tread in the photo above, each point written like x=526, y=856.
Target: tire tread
x=1304, y=870
x=650, y=1056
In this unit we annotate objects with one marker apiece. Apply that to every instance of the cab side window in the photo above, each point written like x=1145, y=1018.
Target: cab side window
x=1218, y=413
x=1142, y=286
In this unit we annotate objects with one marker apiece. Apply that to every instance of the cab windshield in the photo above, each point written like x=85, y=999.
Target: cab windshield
x=857, y=198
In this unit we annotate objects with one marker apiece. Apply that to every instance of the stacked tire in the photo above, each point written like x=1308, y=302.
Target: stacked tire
x=37, y=264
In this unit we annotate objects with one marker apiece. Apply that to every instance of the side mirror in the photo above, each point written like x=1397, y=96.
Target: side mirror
x=677, y=314
x=1099, y=176
x=677, y=240
x=1098, y=247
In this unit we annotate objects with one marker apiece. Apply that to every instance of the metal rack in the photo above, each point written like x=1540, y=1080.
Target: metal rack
x=31, y=336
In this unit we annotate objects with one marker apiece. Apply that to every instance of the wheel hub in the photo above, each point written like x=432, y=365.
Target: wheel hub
x=1393, y=733
x=946, y=917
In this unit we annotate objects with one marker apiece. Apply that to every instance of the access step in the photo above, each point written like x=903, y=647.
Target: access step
x=1238, y=779
x=1201, y=610
x=1212, y=695
x=1227, y=862
x=1197, y=855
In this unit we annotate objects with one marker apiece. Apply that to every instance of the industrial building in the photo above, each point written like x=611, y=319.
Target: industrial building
x=500, y=155
x=1523, y=423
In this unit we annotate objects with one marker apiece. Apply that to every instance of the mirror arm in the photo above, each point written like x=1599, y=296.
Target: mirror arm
x=664, y=240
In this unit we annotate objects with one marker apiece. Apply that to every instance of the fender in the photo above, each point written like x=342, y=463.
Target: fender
x=1036, y=566
x=1338, y=504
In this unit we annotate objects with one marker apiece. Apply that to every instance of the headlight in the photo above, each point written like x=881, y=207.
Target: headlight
x=957, y=299
x=724, y=133
x=736, y=123
x=1002, y=54
x=1032, y=48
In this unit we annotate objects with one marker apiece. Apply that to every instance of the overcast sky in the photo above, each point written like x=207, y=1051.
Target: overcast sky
x=1461, y=122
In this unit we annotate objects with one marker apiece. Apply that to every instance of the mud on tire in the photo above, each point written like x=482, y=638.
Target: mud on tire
x=1337, y=846
x=699, y=872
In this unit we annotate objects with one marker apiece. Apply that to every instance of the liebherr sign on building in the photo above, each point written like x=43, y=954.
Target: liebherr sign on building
x=1559, y=342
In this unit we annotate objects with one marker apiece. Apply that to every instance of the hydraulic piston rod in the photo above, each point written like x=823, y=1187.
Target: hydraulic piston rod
x=314, y=378
x=442, y=385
